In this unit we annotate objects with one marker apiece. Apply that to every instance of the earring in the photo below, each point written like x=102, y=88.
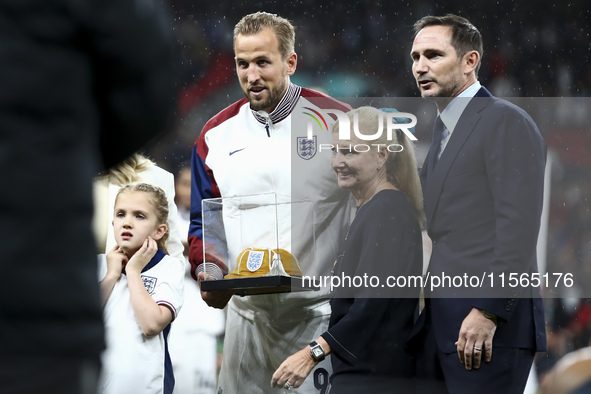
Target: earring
x=379, y=168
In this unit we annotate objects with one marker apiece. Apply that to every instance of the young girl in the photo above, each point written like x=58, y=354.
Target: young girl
x=142, y=292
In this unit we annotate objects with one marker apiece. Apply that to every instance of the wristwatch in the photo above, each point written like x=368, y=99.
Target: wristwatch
x=317, y=351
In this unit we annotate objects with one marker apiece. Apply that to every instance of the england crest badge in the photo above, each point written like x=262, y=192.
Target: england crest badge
x=307, y=147
x=255, y=260
x=149, y=283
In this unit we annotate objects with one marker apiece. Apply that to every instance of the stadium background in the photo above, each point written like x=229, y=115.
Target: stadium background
x=538, y=49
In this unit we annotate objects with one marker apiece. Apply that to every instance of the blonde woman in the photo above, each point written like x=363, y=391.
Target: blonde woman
x=370, y=324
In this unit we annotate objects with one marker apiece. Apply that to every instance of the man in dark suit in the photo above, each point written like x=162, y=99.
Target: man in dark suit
x=483, y=186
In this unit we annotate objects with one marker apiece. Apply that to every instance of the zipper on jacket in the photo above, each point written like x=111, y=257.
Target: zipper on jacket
x=268, y=122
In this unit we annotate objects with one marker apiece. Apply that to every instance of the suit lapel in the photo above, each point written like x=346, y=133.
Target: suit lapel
x=464, y=127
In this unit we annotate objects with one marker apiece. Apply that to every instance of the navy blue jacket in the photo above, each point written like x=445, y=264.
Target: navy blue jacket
x=483, y=202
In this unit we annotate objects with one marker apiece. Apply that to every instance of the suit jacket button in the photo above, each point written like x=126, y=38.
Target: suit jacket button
x=508, y=308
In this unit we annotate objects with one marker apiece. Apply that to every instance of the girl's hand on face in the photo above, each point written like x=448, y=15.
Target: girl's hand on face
x=142, y=257
x=116, y=261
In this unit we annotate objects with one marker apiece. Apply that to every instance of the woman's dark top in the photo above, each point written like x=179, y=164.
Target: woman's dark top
x=369, y=325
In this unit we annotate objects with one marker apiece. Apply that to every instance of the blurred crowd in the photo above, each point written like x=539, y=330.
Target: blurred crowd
x=361, y=49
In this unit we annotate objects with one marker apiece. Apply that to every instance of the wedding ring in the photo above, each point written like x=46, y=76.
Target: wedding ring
x=287, y=386
x=477, y=348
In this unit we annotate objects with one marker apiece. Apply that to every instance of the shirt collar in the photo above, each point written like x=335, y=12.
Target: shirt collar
x=451, y=114
x=283, y=109
x=155, y=260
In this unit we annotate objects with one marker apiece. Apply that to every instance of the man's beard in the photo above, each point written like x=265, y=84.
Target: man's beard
x=447, y=89
x=271, y=101
x=443, y=96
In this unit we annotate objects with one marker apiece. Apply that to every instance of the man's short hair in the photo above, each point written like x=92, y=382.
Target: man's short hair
x=257, y=22
x=464, y=37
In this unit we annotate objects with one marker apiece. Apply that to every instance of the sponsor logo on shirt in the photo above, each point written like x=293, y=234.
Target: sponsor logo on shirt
x=236, y=151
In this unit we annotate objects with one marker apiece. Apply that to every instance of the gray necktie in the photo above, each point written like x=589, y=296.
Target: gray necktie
x=444, y=136
x=438, y=128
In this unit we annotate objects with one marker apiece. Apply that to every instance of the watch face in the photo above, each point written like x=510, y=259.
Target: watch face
x=317, y=351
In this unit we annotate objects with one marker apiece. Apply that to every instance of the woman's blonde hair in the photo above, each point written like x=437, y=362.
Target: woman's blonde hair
x=401, y=167
x=127, y=171
x=159, y=201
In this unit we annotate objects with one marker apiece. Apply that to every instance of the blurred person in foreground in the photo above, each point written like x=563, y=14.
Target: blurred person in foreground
x=570, y=375
x=369, y=327
x=256, y=146
x=483, y=182
x=84, y=85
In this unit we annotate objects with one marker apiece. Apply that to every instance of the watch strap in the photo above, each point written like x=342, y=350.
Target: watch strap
x=489, y=315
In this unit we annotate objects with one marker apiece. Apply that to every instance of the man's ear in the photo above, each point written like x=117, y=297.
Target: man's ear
x=471, y=60
x=291, y=63
x=160, y=231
